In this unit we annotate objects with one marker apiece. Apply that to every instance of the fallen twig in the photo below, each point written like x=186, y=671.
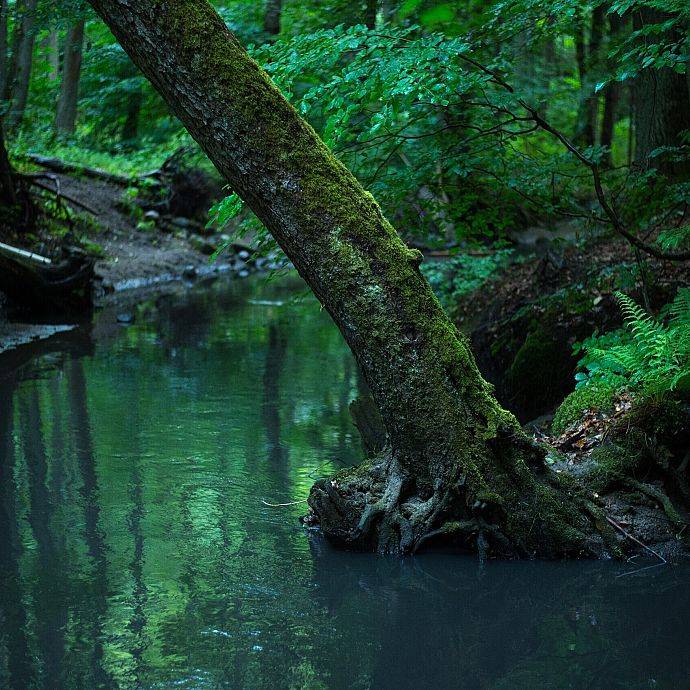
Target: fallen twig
x=283, y=505
x=636, y=540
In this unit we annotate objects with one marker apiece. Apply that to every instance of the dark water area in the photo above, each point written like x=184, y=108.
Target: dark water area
x=136, y=550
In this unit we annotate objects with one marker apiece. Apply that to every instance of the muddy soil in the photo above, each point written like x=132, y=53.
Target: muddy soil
x=524, y=323
x=132, y=258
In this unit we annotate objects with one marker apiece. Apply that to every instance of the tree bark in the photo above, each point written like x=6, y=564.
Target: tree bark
x=52, y=47
x=8, y=187
x=66, y=117
x=17, y=33
x=22, y=62
x=662, y=107
x=4, y=10
x=130, y=128
x=457, y=464
x=272, y=15
x=612, y=95
x=588, y=61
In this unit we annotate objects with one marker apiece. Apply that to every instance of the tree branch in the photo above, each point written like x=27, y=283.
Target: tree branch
x=607, y=208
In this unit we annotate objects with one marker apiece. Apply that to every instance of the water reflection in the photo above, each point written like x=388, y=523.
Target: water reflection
x=94, y=540
x=136, y=550
x=271, y=404
x=16, y=667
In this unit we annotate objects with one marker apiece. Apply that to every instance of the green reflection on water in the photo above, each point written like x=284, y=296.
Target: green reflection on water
x=136, y=552
x=138, y=476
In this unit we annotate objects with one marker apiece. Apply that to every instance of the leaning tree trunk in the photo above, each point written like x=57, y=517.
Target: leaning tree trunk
x=662, y=107
x=457, y=463
x=66, y=117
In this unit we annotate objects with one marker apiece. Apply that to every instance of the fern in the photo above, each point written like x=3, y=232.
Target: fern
x=648, y=356
x=655, y=357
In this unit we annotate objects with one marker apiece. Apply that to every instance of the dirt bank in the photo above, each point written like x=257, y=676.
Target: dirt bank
x=524, y=321
x=133, y=251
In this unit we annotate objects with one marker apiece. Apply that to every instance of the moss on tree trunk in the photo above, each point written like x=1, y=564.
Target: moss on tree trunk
x=457, y=466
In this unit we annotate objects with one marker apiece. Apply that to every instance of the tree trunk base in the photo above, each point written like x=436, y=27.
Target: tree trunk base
x=631, y=499
x=61, y=289
x=374, y=507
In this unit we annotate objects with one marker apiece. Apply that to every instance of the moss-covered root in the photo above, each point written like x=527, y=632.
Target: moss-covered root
x=375, y=507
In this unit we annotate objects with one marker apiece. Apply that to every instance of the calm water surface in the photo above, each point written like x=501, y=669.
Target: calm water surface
x=136, y=550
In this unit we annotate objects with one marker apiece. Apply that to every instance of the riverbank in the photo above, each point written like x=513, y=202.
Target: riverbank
x=133, y=250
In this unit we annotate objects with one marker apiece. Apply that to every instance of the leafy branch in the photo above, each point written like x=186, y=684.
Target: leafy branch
x=607, y=207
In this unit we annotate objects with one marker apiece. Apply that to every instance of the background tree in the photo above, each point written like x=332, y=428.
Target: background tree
x=272, y=17
x=65, y=120
x=19, y=74
x=662, y=100
x=8, y=187
x=4, y=16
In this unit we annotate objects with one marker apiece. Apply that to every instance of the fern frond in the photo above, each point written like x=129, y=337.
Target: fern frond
x=655, y=357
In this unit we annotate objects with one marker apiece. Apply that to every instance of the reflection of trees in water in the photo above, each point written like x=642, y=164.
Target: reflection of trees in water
x=16, y=668
x=50, y=594
x=138, y=620
x=271, y=402
x=93, y=536
x=57, y=447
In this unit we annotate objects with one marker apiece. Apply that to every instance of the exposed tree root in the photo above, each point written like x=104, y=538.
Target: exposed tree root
x=521, y=508
x=374, y=507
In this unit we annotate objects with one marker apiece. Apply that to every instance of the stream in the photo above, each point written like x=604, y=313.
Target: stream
x=137, y=549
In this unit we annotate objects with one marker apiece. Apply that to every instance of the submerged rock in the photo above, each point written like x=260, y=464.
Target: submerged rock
x=190, y=272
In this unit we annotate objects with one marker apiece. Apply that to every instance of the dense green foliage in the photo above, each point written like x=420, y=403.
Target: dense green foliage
x=463, y=274
x=470, y=124
x=415, y=108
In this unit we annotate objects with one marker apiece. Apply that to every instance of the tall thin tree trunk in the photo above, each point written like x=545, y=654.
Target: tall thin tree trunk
x=612, y=95
x=456, y=459
x=595, y=59
x=4, y=10
x=582, y=65
x=17, y=34
x=371, y=10
x=272, y=13
x=53, y=48
x=588, y=60
x=608, y=121
x=22, y=64
x=8, y=188
x=130, y=128
x=551, y=66
x=389, y=9
x=66, y=117
x=662, y=107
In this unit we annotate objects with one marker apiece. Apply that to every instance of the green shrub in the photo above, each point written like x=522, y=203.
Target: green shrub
x=654, y=355
x=462, y=274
